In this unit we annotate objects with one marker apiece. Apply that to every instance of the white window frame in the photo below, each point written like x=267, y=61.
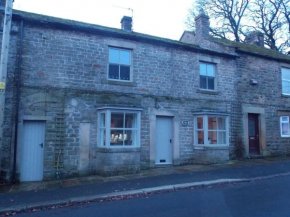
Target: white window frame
x=215, y=76
x=130, y=65
x=108, y=111
x=206, y=130
x=284, y=122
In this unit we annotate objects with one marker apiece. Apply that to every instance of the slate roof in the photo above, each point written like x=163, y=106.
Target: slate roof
x=76, y=25
x=44, y=20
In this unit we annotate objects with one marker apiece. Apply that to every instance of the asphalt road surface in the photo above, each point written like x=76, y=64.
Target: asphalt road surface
x=268, y=197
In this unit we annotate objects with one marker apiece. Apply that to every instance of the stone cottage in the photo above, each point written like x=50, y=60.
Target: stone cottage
x=99, y=100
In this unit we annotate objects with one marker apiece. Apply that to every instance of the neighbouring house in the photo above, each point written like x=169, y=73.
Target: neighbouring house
x=99, y=100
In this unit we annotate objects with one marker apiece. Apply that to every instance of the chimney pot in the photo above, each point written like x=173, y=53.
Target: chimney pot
x=126, y=24
x=202, y=25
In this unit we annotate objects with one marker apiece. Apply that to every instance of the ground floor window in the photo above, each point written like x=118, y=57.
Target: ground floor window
x=284, y=126
x=211, y=130
x=119, y=127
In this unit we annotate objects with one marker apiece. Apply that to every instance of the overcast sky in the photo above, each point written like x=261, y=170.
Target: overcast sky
x=163, y=18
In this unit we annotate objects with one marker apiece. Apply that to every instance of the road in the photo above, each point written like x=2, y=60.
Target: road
x=268, y=197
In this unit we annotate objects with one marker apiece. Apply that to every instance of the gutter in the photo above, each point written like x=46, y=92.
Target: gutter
x=14, y=178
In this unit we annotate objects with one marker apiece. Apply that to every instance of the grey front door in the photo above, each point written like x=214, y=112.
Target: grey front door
x=31, y=163
x=164, y=140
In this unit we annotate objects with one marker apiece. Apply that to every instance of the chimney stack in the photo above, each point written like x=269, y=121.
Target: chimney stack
x=126, y=24
x=255, y=38
x=202, y=25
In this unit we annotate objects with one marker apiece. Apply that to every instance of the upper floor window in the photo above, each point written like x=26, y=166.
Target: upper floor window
x=284, y=126
x=119, y=128
x=119, y=64
x=207, y=76
x=286, y=81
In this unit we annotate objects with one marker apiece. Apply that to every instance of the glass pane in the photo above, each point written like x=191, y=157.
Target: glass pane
x=130, y=120
x=114, y=71
x=212, y=137
x=285, y=129
x=202, y=68
x=200, y=136
x=222, y=123
x=252, y=131
x=285, y=73
x=212, y=123
x=221, y=138
x=200, y=123
x=210, y=81
x=102, y=120
x=203, y=82
x=210, y=70
x=130, y=137
x=125, y=57
x=284, y=118
x=125, y=73
x=102, y=137
x=117, y=120
x=117, y=137
x=113, y=55
x=286, y=87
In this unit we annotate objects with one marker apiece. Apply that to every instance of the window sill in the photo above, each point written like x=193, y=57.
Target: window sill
x=118, y=149
x=121, y=83
x=211, y=92
x=211, y=147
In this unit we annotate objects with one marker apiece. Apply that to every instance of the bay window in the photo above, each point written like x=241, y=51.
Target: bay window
x=211, y=130
x=119, y=127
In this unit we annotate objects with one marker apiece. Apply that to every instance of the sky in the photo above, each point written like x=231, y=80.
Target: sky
x=162, y=18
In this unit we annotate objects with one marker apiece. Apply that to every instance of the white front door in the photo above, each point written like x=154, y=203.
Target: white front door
x=164, y=140
x=31, y=163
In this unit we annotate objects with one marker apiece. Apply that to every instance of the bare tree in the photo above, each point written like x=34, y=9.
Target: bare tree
x=270, y=17
x=234, y=19
x=227, y=16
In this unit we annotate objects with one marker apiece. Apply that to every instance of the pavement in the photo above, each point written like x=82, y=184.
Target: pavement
x=42, y=195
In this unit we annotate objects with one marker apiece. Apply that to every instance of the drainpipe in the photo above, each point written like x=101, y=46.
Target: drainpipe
x=17, y=103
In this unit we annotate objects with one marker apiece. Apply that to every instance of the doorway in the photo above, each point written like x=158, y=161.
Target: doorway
x=254, y=135
x=164, y=140
x=32, y=151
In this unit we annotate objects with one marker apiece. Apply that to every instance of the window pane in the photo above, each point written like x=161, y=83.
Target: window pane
x=113, y=55
x=200, y=123
x=212, y=137
x=222, y=123
x=252, y=131
x=212, y=123
x=285, y=129
x=221, y=138
x=125, y=73
x=203, y=82
x=130, y=137
x=130, y=120
x=210, y=70
x=102, y=120
x=117, y=120
x=200, y=136
x=285, y=73
x=102, y=137
x=114, y=71
x=286, y=87
x=285, y=118
x=125, y=57
x=210, y=81
x=116, y=137
x=202, y=69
